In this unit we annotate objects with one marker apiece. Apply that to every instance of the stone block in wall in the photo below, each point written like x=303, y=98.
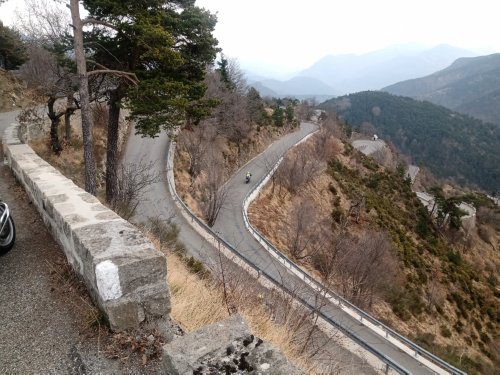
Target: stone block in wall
x=223, y=348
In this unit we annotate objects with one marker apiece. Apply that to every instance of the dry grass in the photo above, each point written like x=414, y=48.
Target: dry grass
x=194, y=304
x=198, y=302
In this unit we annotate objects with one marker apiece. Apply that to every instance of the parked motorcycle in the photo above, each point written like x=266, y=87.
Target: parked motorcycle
x=7, y=229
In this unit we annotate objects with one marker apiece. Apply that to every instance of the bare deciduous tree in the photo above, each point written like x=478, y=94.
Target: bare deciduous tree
x=49, y=79
x=134, y=180
x=307, y=234
x=298, y=168
x=43, y=21
x=196, y=142
x=230, y=117
x=365, y=266
x=214, y=192
x=326, y=145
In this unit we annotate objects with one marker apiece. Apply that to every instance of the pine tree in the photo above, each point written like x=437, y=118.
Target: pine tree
x=12, y=48
x=164, y=47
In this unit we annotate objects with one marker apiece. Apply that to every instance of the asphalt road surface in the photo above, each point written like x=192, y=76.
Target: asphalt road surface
x=230, y=226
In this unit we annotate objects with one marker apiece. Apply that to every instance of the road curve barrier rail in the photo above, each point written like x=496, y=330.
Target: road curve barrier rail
x=216, y=240
x=425, y=357
x=428, y=359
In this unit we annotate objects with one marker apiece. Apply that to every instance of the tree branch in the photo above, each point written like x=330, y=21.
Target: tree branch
x=119, y=73
x=93, y=21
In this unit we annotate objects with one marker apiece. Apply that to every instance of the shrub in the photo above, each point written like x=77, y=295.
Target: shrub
x=338, y=214
x=445, y=332
x=196, y=267
x=484, y=337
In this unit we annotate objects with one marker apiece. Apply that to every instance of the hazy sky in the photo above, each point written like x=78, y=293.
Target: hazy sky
x=282, y=36
x=287, y=35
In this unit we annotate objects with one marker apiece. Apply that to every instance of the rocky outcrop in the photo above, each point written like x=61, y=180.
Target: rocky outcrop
x=226, y=347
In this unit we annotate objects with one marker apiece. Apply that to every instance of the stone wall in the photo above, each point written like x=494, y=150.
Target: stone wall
x=124, y=273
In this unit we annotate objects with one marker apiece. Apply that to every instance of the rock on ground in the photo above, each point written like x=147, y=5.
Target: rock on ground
x=226, y=347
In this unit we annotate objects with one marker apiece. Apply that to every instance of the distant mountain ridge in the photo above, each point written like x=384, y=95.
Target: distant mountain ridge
x=340, y=74
x=449, y=144
x=469, y=85
x=374, y=70
x=297, y=86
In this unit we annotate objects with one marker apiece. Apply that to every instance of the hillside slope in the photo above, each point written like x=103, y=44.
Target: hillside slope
x=469, y=85
x=359, y=228
x=12, y=92
x=450, y=145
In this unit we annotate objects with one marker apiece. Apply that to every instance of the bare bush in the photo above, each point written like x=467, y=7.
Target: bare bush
x=298, y=168
x=366, y=266
x=434, y=293
x=307, y=234
x=134, y=180
x=489, y=216
x=487, y=234
x=383, y=157
x=360, y=267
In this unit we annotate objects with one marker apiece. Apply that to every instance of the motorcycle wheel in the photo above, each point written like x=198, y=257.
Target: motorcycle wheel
x=8, y=236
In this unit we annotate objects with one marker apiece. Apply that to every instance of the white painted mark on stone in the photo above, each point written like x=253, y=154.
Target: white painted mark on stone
x=265, y=366
x=108, y=280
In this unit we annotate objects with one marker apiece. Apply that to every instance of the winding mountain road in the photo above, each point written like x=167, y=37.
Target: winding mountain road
x=230, y=226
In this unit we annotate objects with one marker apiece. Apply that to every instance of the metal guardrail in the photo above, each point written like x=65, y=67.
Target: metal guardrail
x=382, y=357
x=340, y=301
x=417, y=350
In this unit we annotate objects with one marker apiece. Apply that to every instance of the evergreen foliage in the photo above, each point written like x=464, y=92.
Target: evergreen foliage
x=167, y=45
x=449, y=144
x=12, y=49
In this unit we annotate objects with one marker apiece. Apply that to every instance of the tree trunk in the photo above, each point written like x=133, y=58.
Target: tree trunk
x=70, y=109
x=88, y=145
x=54, y=127
x=112, y=147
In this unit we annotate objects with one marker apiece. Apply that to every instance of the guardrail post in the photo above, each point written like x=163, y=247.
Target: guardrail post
x=386, y=368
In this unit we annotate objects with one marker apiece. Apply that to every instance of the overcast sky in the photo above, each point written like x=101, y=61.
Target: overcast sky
x=283, y=36
x=287, y=35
